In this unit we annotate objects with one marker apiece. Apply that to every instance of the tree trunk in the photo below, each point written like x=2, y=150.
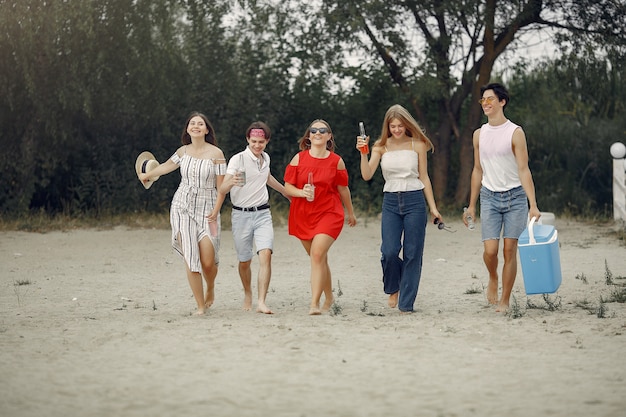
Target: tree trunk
x=466, y=156
x=441, y=160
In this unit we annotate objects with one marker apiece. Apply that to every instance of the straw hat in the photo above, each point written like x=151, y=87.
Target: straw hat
x=146, y=162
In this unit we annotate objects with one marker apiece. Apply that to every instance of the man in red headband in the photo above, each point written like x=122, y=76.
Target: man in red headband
x=247, y=177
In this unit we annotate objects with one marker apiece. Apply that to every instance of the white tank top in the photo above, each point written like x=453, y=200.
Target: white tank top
x=400, y=171
x=495, y=144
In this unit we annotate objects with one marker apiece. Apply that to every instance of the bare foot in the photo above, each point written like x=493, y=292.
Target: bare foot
x=393, y=300
x=406, y=312
x=209, y=298
x=200, y=312
x=502, y=307
x=247, y=301
x=315, y=311
x=328, y=304
x=492, y=292
x=262, y=308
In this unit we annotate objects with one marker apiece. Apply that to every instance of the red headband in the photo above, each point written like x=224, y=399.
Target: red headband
x=257, y=133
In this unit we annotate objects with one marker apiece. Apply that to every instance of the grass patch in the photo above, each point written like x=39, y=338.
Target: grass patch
x=585, y=305
x=550, y=304
x=582, y=277
x=474, y=289
x=619, y=234
x=608, y=275
x=515, y=311
x=335, y=309
x=365, y=309
x=617, y=295
x=19, y=292
x=41, y=222
x=602, y=310
x=339, y=291
x=618, y=290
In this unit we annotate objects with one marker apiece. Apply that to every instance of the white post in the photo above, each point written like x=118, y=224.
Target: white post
x=618, y=152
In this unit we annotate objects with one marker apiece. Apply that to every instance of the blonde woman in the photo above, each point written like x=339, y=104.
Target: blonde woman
x=401, y=151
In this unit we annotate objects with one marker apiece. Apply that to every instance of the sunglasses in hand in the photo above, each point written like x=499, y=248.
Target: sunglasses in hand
x=442, y=226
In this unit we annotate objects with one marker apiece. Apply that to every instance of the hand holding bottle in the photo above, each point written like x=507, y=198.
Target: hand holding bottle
x=241, y=172
x=362, y=140
x=309, y=188
x=468, y=219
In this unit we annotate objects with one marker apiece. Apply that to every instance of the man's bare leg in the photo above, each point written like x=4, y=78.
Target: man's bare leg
x=509, y=272
x=245, y=273
x=265, y=273
x=490, y=257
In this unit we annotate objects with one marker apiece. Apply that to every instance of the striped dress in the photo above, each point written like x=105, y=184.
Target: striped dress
x=194, y=199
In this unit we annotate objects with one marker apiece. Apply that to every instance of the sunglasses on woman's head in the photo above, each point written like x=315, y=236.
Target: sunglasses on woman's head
x=322, y=130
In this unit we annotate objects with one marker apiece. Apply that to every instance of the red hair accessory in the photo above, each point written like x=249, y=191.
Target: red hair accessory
x=257, y=133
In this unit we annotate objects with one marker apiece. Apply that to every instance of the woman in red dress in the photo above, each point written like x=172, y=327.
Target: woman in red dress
x=317, y=179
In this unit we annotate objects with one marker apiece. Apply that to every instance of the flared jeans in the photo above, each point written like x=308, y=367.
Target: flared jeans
x=403, y=228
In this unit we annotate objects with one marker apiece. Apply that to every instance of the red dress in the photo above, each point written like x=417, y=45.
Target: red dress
x=325, y=213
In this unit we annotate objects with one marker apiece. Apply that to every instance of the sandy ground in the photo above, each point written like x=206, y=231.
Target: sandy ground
x=97, y=323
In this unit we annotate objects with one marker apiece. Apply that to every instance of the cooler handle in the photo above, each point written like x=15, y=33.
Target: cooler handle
x=531, y=233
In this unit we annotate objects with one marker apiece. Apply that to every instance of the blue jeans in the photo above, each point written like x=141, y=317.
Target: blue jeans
x=404, y=213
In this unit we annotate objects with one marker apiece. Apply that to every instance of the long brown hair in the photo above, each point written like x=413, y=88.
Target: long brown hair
x=208, y=138
x=305, y=141
x=412, y=128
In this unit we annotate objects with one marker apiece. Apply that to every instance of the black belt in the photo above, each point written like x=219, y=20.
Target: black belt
x=258, y=208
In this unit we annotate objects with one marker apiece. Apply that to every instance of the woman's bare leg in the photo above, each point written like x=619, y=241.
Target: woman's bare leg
x=329, y=299
x=195, y=282
x=209, y=269
x=320, y=271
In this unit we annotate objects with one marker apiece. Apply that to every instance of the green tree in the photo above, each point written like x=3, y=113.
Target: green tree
x=86, y=86
x=78, y=87
x=572, y=110
x=439, y=52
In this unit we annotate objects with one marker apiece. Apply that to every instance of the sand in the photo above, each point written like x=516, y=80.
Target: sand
x=97, y=323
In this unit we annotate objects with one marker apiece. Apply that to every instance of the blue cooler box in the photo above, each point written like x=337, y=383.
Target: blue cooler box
x=539, y=253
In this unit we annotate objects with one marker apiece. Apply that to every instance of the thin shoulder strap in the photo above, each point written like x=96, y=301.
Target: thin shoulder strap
x=412, y=144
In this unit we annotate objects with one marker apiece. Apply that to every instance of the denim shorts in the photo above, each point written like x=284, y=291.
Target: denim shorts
x=503, y=213
x=252, y=228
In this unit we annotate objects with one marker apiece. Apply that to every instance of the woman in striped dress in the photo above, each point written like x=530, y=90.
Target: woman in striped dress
x=195, y=210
